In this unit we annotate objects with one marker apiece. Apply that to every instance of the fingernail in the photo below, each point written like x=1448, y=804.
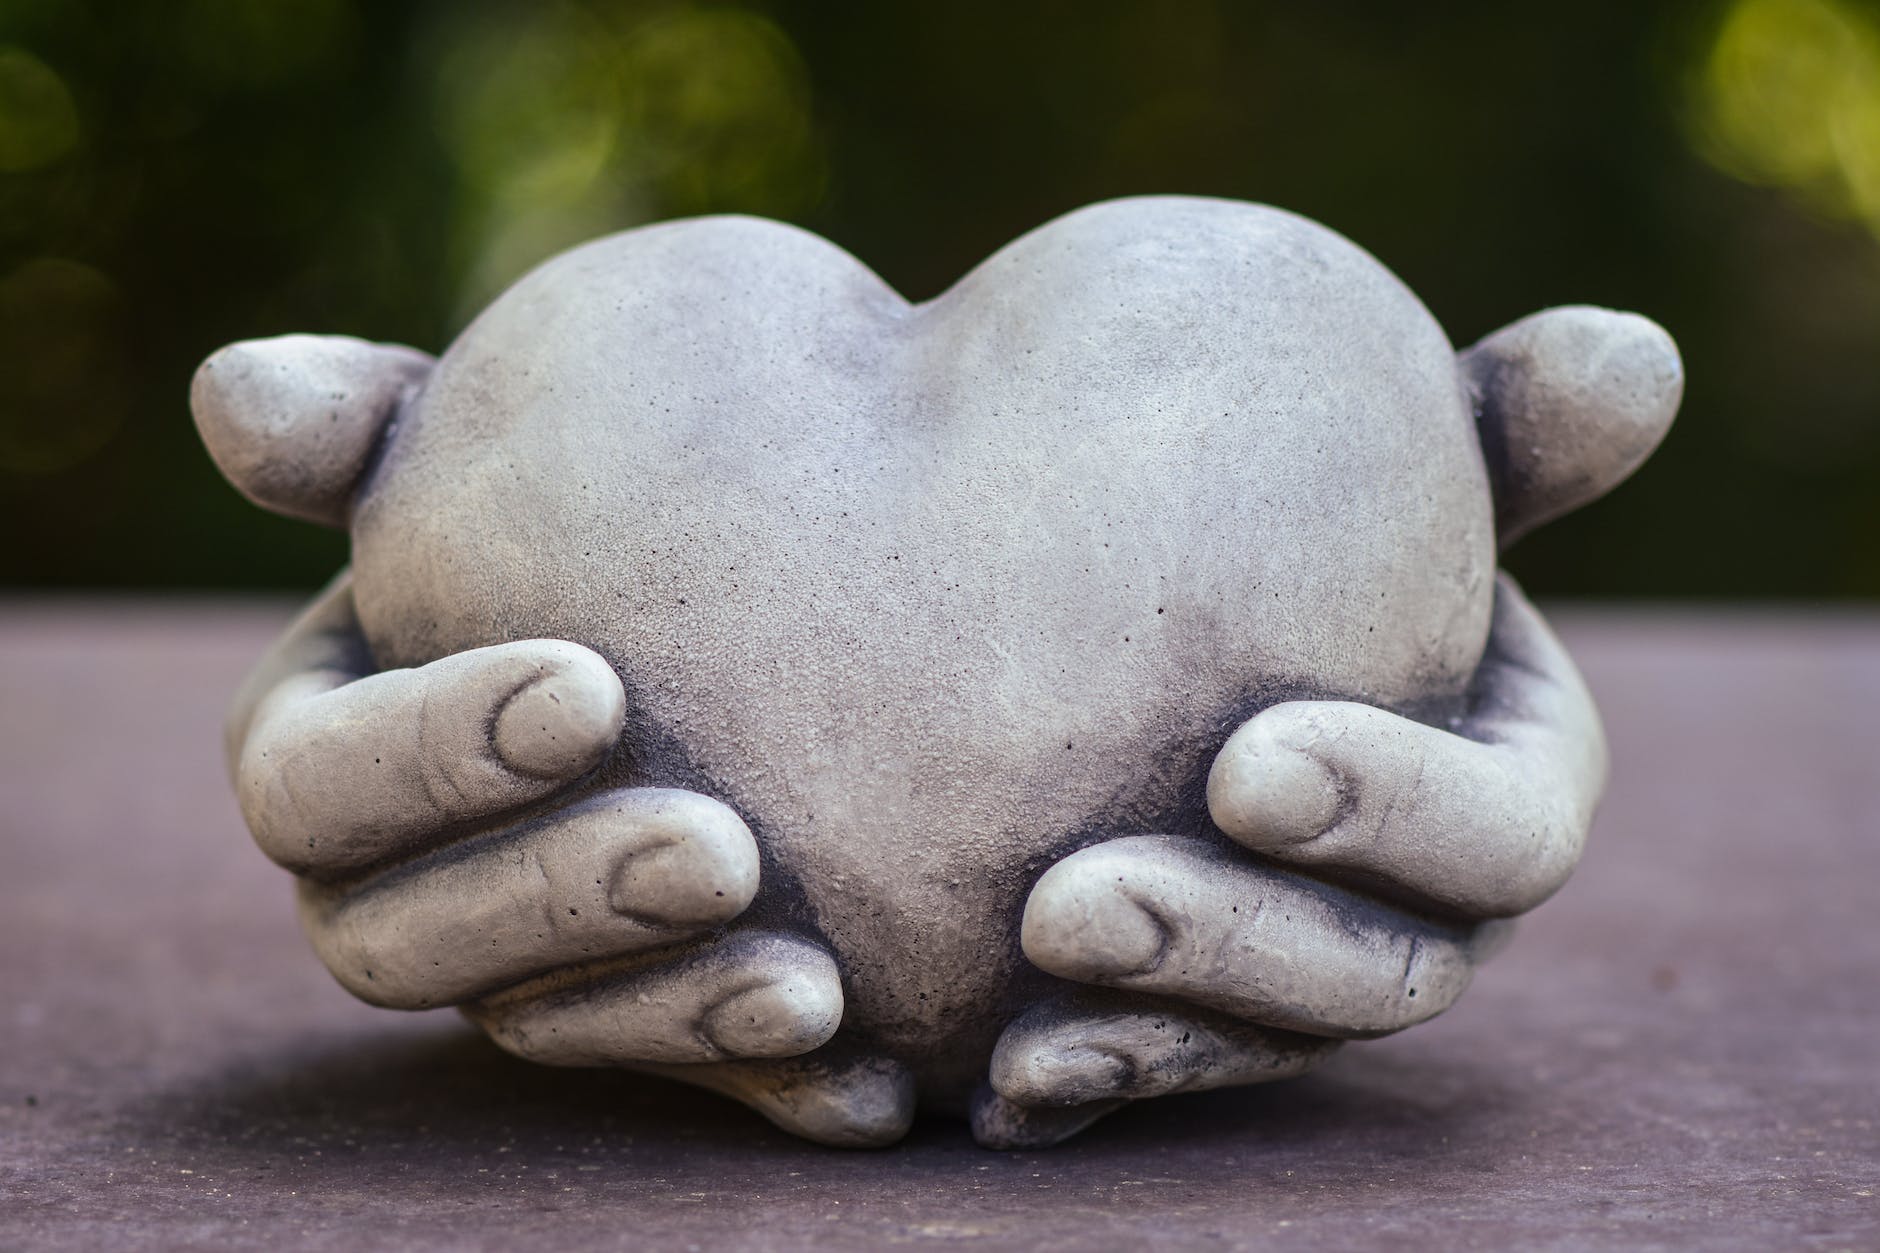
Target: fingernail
x=1090, y=933
x=780, y=1019
x=681, y=883
x=562, y=723
x=1132, y=940
x=1268, y=795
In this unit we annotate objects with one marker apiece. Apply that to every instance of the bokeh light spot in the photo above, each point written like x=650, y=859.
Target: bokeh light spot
x=579, y=120
x=1788, y=95
x=38, y=121
x=718, y=107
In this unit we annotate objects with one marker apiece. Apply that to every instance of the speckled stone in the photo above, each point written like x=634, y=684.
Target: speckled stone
x=934, y=594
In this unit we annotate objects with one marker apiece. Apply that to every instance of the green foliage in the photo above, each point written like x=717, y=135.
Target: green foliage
x=180, y=173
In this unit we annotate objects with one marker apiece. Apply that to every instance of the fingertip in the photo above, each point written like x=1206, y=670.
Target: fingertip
x=875, y=1110
x=701, y=867
x=1571, y=401
x=292, y=421
x=1005, y=1125
x=1647, y=372
x=1266, y=790
x=1045, y=1072
x=565, y=721
x=792, y=1013
x=842, y=1102
x=1081, y=922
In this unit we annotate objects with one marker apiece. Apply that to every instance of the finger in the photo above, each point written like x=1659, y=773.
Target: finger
x=1177, y=917
x=621, y=872
x=1487, y=819
x=293, y=421
x=338, y=772
x=1568, y=402
x=1001, y=1123
x=1072, y=1054
x=835, y=1096
x=753, y=994
x=325, y=639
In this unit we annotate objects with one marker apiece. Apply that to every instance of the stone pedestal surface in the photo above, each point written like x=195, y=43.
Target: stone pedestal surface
x=1681, y=1050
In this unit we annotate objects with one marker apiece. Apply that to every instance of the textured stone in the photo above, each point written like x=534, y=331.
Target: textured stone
x=934, y=597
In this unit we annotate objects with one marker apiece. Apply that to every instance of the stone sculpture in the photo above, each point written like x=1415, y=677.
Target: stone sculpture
x=1090, y=684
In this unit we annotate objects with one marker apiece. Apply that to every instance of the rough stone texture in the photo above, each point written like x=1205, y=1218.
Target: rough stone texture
x=936, y=598
x=1677, y=1053
x=933, y=595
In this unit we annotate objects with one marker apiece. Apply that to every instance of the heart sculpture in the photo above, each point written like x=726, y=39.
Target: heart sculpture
x=933, y=595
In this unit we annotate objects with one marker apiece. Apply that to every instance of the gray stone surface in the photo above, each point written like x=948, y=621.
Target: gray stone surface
x=1677, y=1052
x=934, y=594
x=935, y=598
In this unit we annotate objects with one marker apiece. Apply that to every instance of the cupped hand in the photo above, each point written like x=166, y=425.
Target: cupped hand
x=448, y=854
x=1255, y=969
x=1389, y=853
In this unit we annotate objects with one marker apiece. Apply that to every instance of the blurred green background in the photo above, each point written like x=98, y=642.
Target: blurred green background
x=176, y=175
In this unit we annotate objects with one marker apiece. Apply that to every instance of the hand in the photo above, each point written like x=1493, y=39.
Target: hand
x=444, y=858
x=1259, y=970
x=1417, y=838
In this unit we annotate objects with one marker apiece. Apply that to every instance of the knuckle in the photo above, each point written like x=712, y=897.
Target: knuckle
x=451, y=776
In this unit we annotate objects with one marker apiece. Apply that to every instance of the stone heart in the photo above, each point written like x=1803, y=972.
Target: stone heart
x=934, y=594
